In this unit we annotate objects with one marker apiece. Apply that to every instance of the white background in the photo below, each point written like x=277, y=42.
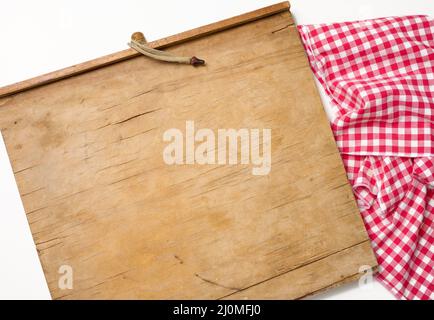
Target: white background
x=41, y=36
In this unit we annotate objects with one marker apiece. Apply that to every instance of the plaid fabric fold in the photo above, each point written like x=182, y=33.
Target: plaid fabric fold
x=379, y=75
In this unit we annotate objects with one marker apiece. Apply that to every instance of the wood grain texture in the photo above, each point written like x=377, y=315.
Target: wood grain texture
x=130, y=53
x=87, y=156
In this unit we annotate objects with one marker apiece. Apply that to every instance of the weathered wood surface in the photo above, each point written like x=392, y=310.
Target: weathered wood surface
x=87, y=157
x=130, y=53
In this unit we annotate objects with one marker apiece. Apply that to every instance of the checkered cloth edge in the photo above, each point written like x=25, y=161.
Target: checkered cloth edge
x=380, y=72
x=379, y=75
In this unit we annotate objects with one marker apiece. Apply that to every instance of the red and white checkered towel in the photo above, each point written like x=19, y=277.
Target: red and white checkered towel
x=379, y=75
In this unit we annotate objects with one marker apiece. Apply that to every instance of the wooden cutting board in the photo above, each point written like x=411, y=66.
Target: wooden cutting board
x=86, y=146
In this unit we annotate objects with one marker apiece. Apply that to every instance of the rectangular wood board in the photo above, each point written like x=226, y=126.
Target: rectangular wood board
x=86, y=146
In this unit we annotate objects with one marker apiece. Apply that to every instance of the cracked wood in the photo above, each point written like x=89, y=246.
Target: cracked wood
x=87, y=156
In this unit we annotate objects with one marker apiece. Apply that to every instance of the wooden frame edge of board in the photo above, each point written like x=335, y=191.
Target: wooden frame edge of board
x=130, y=53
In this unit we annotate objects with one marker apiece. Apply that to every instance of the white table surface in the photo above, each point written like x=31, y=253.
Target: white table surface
x=42, y=36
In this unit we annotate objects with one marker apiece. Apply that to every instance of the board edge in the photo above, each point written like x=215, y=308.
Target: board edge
x=130, y=53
